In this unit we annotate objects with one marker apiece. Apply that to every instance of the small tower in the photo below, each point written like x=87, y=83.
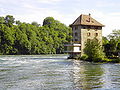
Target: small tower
x=83, y=28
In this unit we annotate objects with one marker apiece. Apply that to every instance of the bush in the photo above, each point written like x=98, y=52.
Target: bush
x=106, y=60
x=117, y=60
x=98, y=59
x=94, y=50
x=84, y=57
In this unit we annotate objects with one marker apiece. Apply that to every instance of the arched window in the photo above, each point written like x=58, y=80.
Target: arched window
x=88, y=34
x=96, y=34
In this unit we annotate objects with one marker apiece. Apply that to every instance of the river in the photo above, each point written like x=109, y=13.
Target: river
x=56, y=72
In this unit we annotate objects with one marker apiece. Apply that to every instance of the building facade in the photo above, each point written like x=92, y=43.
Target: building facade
x=85, y=28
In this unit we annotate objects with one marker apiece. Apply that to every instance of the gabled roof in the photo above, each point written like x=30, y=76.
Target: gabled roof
x=86, y=20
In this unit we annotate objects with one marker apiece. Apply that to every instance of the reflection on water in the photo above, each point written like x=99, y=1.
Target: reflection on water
x=87, y=75
x=55, y=72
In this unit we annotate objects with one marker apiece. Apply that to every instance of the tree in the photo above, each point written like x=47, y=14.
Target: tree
x=23, y=38
x=9, y=20
x=6, y=39
x=48, y=21
x=114, y=40
x=35, y=24
x=105, y=40
x=59, y=32
x=2, y=21
x=93, y=50
x=17, y=22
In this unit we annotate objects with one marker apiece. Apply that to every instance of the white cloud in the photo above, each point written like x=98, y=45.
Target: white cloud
x=2, y=10
x=37, y=10
x=110, y=20
x=104, y=3
x=48, y=1
x=38, y=14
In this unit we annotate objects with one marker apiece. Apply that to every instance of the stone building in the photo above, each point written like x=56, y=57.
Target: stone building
x=84, y=28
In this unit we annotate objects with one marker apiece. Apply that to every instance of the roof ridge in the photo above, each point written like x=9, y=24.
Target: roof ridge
x=86, y=20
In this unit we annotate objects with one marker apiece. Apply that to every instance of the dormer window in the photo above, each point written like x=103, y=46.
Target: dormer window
x=87, y=21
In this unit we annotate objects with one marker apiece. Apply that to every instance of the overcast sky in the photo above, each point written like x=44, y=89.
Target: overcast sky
x=66, y=11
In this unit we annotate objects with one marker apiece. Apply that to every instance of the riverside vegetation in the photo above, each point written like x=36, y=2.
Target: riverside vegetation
x=24, y=38
x=19, y=38
x=109, y=52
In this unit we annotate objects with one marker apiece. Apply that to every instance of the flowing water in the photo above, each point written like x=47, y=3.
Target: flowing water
x=56, y=72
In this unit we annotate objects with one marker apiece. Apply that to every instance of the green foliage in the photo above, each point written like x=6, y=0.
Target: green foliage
x=113, y=46
x=94, y=51
x=105, y=40
x=9, y=20
x=2, y=21
x=23, y=38
x=35, y=24
x=84, y=57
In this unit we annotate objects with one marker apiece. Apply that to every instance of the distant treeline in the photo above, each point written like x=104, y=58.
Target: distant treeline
x=111, y=44
x=24, y=38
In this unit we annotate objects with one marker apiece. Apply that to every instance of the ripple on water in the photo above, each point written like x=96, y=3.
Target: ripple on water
x=54, y=72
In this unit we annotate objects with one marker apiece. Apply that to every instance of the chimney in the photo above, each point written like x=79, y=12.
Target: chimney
x=89, y=14
x=89, y=17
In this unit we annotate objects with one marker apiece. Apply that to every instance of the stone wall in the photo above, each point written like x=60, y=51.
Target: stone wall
x=87, y=34
x=82, y=33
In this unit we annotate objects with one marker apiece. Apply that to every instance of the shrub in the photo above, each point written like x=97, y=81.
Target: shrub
x=117, y=60
x=106, y=60
x=84, y=57
x=98, y=59
x=94, y=50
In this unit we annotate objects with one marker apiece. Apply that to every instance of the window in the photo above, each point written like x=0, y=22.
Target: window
x=89, y=27
x=96, y=34
x=99, y=28
x=96, y=28
x=76, y=39
x=80, y=48
x=76, y=27
x=88, y=34
x=87, y=20
x=84, y=27
x=76, y=34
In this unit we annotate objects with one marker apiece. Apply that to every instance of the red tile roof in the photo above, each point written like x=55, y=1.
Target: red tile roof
x=86, y=20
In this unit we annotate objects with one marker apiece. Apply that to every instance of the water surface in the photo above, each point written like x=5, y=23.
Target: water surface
x=56, y=72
